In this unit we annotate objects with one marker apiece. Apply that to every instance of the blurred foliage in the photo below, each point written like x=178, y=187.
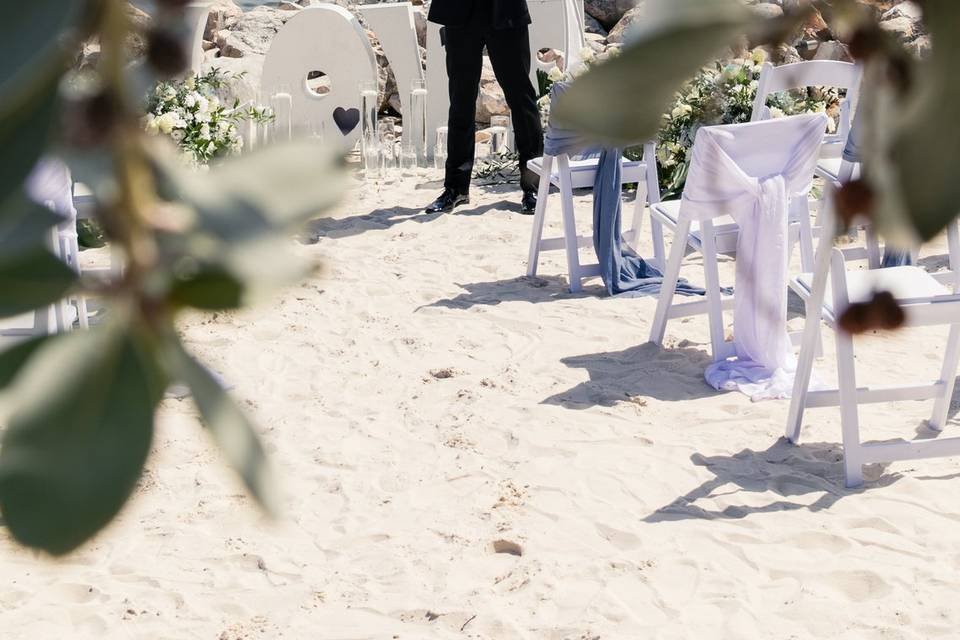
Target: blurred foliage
x=907, y=109
x=82, y=405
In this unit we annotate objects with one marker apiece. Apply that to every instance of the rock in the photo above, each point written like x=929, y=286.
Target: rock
x=592, y=25
x=251, y=33
x=608, y=12
x=904, y=28
x=768, y=11
x=491, y=101
x=621, y=30
x=909, y=10
x=220, y=12
x=420, y=22
x=833, y=50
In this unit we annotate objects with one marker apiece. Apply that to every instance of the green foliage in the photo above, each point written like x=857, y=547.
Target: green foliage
x=30, y=276
x=76, y=445
x=723, y=93
x=82, y=405
x=638, y=85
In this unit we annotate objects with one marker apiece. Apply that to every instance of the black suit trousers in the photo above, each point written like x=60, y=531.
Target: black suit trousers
x=509, y=51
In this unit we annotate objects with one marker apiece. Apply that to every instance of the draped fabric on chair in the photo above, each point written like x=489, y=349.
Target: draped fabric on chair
x=622, y=270
x=751, y=172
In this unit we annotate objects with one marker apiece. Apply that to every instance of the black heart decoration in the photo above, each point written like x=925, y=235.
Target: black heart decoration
x=346, y=119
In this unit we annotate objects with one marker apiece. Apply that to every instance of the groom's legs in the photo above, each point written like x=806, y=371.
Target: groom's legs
x=509, y=51
x=464, y=47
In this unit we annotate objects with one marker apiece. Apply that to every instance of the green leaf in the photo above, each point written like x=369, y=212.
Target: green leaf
x=926, y=143
x=236, y=246
x=230, y=428
x=24, y=136
x=79, y=435
x=38, y=38
x=271, y=191
x=30, y=275
x=622, y=101
x=13, y=359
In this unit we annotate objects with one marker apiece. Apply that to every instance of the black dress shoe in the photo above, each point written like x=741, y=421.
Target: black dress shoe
x=528, y=205
x=447, y=202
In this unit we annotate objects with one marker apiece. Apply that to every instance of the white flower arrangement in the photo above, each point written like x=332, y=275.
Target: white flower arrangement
x=192, y=115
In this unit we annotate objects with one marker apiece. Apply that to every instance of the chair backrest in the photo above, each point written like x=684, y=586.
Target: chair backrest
x=814, y=73
x=573, y=28
x=730, y=163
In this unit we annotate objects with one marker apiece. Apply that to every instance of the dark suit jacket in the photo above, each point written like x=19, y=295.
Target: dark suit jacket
x=504, y=14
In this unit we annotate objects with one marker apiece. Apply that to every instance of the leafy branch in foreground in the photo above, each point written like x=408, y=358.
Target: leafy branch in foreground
x=910, y=135
x=81, y=405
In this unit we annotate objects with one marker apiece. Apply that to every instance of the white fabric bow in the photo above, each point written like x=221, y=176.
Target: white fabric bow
x=751, y=172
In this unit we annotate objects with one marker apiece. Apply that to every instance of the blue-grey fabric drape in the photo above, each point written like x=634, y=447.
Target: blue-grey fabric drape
x=622, y=270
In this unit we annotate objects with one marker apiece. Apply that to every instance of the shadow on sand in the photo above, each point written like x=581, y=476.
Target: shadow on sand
x=646, y=371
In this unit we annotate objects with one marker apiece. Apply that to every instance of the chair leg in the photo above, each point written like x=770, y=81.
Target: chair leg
x=847, y=378
x=810, y=347
x=948, y=376
x=569, y=225
x=638, y=207
x=806, y=239
x=536, y=235
x=670, y=277
x=874, y=257
x=659, y=252
x=714, y=302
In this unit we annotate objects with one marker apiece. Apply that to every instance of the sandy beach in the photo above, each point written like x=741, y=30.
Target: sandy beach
x=468, y=453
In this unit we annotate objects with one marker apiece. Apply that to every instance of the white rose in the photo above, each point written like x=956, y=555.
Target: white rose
x=205, y=131
x=214, y=103
x=587, y=54
x=177, y=136
x=555, y=75
x=190, y=100
x=166, y=122
x=776, y=112
x=203, y=105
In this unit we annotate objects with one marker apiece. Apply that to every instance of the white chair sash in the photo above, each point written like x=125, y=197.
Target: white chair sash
x=751, y=172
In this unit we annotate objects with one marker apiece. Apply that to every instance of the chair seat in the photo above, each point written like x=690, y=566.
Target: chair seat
x=904, y=283
x=724, y=226
x=583, y=172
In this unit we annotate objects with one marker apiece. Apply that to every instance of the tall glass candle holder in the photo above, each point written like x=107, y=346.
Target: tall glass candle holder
x=369, y=103
x=417, y=125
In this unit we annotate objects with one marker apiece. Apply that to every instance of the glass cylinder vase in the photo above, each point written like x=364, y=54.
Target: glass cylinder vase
x=417, y=125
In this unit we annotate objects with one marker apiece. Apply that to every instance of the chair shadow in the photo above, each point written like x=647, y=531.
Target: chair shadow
x=812, y=470
x=646, y=371
x=535, y=290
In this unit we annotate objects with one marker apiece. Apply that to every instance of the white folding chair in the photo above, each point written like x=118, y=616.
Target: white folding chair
x=742, y=156
x=828, y=291
x=568, y=173
x=831, y=167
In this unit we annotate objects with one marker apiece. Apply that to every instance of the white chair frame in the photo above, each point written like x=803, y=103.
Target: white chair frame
x=568, y=174
x=813, y=73
x=920, y=311
x=712, y=241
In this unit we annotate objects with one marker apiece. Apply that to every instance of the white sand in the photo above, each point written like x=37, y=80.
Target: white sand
x=421, y=402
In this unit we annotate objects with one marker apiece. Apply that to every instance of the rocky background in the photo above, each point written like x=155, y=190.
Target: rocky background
x=237, y=41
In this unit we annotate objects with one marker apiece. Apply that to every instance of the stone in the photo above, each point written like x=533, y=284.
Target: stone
x=903, y=27
x=608, y=12
x=768, y=11
x=220, y=12
x=251, y=33
x=491, y=101
x=593, y=26
x=833, y=50
x=621, y=30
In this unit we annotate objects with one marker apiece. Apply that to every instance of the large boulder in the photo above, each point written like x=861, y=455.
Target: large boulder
x=251, y=33
x=221, y=11
x=491, y=101
x=608, y=12
x=621, y=30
